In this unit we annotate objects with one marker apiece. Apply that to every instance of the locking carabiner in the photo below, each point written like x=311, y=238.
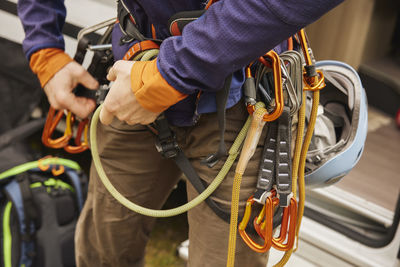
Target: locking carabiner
x=267, y=213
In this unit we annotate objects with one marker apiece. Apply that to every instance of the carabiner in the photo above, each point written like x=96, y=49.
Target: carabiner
x=288, y=228
x=80, y=146
x=57, y=171
x=50, y=126
x=260, y=224
x=313, y=83
x=267, y=212
x=313, y=78
x=41, y=166
x=276, y=68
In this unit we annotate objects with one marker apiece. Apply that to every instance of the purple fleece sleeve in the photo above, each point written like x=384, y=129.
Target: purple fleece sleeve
x=231, y=34
x=43, y=21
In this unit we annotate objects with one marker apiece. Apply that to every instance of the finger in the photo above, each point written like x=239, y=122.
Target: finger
x=80, y=106
x=106, y=116
x=112, y=75
x=88, y=81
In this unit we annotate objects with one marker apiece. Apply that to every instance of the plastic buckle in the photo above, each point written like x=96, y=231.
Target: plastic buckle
x=168, y=147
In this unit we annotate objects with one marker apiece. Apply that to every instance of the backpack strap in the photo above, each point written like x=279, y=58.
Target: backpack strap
x=31, y=212
x=14, y=193
x=76, y=182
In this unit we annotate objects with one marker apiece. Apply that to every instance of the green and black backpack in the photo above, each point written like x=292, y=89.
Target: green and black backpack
x=39, y=203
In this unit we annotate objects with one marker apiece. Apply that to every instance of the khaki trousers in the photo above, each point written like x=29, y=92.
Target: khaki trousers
x=109, y=234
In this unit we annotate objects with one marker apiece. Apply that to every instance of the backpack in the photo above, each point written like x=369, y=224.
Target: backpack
x=39, y=206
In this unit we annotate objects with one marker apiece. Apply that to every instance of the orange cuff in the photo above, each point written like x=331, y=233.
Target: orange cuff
x=46, y=62
x=151, y=90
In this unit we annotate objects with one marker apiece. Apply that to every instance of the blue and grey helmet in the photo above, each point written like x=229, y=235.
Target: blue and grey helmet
x=341, y=126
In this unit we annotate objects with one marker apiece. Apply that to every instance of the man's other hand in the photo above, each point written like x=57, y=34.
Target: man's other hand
x=121, y=101
x=59, y=90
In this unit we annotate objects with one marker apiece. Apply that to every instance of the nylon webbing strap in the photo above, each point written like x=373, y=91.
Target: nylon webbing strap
x=283, y=162
x=221, y=99
x=168, y=147
x=275, y=166
x=128, y=24
x=31, y=212
x=266, y=173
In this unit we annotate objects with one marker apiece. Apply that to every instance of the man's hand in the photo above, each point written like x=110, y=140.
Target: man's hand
x=121, y=101
x=59, y=90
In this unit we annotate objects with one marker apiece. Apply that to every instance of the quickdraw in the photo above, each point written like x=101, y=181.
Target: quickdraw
x=263, y=224
x=288, y=225
x=276, y=176
x=313, y=81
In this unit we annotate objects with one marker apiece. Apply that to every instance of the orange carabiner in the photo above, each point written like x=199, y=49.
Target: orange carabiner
x=52, y=121
x=316, y=81
x=276, y=68
x=267, y=212
x=288, y=228
x=259, y=224
x=313, y=83
x=80, y=146
x=41, y=166
x=57, y=171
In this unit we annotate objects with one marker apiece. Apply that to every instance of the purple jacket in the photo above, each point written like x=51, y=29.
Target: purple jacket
x=231, y=34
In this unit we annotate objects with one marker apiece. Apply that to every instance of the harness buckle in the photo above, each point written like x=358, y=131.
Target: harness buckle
x=168, y=147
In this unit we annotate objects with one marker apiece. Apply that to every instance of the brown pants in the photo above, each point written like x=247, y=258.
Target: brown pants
x=109, y=234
